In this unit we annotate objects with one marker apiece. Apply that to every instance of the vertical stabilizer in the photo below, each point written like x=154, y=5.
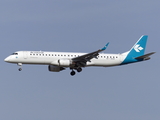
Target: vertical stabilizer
x=137, y=50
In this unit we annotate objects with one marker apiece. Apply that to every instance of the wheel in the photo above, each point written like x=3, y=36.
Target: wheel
x=79, y=69
x=73, y=73
x=20, y=69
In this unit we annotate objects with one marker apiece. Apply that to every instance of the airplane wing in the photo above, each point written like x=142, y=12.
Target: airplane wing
x=81, y=60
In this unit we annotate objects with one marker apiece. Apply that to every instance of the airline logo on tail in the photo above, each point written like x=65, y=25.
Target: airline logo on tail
x=138, y=48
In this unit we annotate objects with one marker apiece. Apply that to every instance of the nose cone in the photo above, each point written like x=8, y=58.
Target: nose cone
x=6, y=59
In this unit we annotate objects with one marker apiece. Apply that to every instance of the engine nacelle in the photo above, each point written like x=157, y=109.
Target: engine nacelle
x=53, y=68
x=64, y=63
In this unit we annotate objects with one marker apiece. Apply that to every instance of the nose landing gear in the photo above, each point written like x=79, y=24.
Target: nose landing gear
x=20, y=69
x=20, y=66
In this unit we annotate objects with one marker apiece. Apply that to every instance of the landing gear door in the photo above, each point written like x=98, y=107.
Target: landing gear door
x=25, y=55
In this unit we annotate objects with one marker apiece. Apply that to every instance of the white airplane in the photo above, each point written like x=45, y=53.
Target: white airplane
x=58, y=61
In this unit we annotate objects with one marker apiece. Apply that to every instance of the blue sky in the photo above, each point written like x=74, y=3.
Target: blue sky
x=114, y=93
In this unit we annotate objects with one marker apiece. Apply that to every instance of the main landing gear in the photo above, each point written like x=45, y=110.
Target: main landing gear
x=79, y=69
x=20, y=66
x=73, y=72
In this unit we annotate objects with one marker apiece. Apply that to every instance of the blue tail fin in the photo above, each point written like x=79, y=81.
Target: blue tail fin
x=137, y=50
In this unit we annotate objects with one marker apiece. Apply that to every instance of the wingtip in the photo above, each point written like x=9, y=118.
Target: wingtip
x=105, y=46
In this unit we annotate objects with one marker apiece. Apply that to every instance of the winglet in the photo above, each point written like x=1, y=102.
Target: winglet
x=105, y=46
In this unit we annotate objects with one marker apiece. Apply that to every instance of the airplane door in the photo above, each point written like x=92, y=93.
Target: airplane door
x=25, y=55
x=121, y=57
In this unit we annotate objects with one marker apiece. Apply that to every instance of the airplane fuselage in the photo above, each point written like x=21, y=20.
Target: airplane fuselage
x=58, y=61
x=51, y=58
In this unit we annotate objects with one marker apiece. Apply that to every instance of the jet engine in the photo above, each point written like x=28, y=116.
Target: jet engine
x=53, y=68
x=64, y=63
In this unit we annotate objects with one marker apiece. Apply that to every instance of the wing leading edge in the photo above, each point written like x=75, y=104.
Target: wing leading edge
x=87, y=57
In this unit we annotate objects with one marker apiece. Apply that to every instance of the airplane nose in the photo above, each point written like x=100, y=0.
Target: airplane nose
x=6, y=59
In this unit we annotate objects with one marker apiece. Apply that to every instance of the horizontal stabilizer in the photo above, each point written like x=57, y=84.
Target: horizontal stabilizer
x=145, y=57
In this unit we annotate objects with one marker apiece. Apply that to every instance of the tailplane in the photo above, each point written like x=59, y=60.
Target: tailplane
x=145, y=57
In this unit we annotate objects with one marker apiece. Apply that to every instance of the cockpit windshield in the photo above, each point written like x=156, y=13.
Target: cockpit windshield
x=14, y=54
